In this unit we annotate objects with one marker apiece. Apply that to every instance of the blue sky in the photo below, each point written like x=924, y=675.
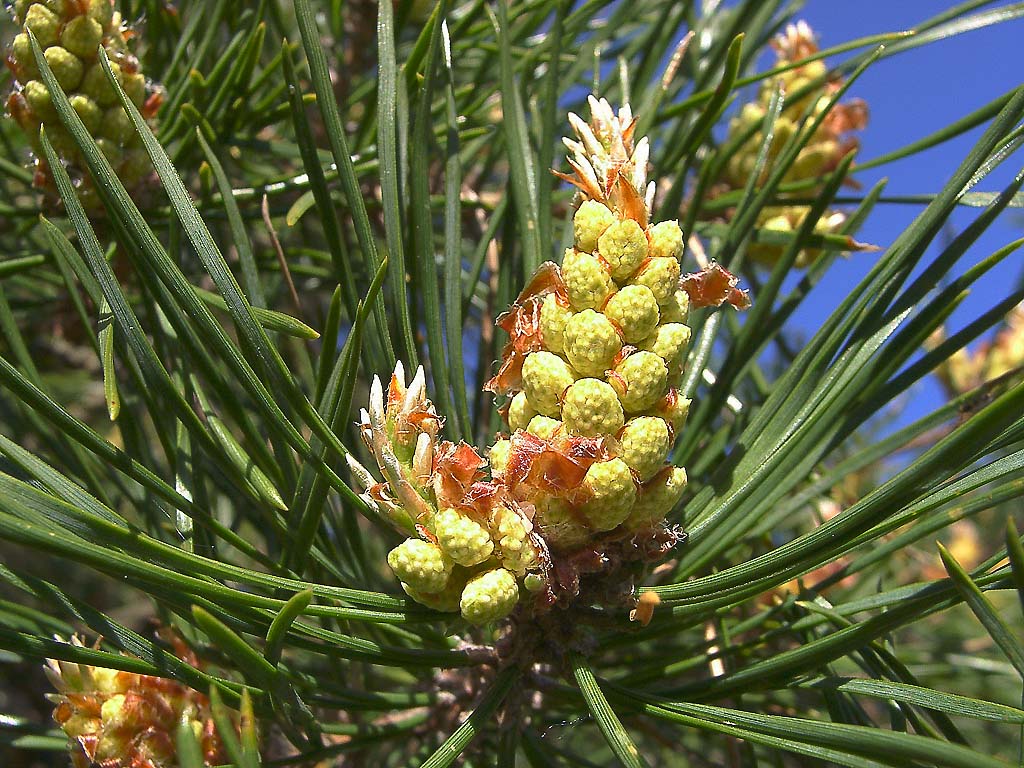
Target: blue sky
x=911, y=95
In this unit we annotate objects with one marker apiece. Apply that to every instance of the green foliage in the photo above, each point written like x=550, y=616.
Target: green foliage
x=180, y=375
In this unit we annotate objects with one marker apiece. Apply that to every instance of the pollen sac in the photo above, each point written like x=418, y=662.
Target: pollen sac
x=421, y=565
x=666, y=240
x=634, y=310
x=520, y=411
x=587, y=281
x=545, y=377
x=498, y=456
x=612, y=492
x=674, y=408
x=591, y=343
x=515, y=548
x=669, y=343
x=661, y=275
x=70, y=34
x=553, y=317
x=462, y=538
x=446, y=600
x=118, y=718
x=677, y=308
x=644, y=443
x=656, y=499
x=640, y=380
x=489, y=596
x=590, y=222
x=544, y=426
x=591, y=408
x=562, y=527
x=624, y=246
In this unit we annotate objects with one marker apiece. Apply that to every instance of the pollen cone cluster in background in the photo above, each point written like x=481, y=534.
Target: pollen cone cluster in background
x=964, y=371
x=119, y=719
x=831, y=142
x=70, y=33
x=581, y=486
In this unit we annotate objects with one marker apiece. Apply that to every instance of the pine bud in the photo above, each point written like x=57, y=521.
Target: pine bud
x=666, y=240
x=563, y=528
x=545, y=377
x=82, y=36
x=677, y=308
x=421, y=565
x=43, y=23
x=640, y=380
x=587, y=280
x=591, y=343
x=462, y=538
x=624, y=246
x=611, y=493
x=591, y=220
x=591, y=407
x=656, y=499
x=489, y=596
x=520, y=411
x=515, y=549
x=553, y=317
x=644, y=443
x=544, y=426
x=634, y=310
x=498, y=456
x=669, y=342
x=661, y=275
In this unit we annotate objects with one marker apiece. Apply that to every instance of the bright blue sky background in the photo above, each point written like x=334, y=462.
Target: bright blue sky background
x=911, y=95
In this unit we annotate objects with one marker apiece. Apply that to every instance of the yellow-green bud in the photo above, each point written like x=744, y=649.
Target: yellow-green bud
x=447, y=600
x=641, y=381
x=666, y=240
x=674, y=410
x=62, y=142
x=545, y=377
x=586, y=280
x=117, y=126
x=544, y=426
x=612, y=492
x=38, y=98
x=635, y=311
x=512, y=531
x=677, y=308
x=656, y=500
x=553, y=317
x=661, y=275
x=489, y=596
x=421, y=565
x=520, y=411
x=669, y=342
x=67, y=67
x=21, y=49
x=560, y=526
x=462, y=538
x=102, y=11
x=135, y=87
x=82, y=36
x=591, y=343
x=110, y=149
x=591, y=220
x=95, y=84
x=624, y=246
x=498, y=456
x=44, y=24
x=591, y=407
x=643, y=445
x=88, y=110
